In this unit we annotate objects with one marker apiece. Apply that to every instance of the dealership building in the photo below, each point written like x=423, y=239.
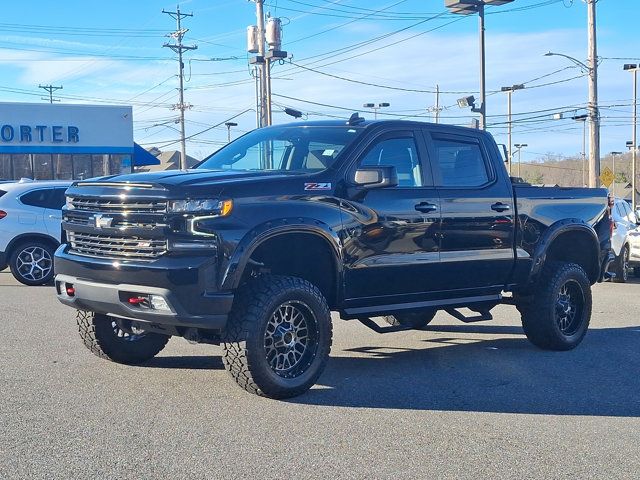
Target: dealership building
x=65, y=142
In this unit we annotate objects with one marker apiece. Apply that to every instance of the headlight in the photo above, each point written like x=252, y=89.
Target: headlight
x=220, y=208
x=69, y=203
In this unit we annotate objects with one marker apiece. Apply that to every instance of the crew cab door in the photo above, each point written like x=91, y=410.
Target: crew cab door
x=391, y=246
x=477, y=228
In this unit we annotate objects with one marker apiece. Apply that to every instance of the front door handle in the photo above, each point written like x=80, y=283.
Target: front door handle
x=500, y=207
x=426, y=207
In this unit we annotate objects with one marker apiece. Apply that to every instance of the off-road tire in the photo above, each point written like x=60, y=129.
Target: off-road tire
x=99, y=336
x=248, y=337
x=414, y=320
x=41, y=257
x=621, y=266
x=545, y=317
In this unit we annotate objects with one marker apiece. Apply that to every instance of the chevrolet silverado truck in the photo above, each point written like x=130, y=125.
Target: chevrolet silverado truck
x=375, y=220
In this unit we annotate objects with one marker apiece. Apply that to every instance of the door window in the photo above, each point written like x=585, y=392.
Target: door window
x=57, y=199
x=460, y=164
x=37, y=198
x=401, y=153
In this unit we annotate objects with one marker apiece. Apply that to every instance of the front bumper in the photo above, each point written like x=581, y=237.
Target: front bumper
x=187, y=284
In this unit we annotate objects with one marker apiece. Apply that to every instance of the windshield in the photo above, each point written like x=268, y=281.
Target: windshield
x=282, y=148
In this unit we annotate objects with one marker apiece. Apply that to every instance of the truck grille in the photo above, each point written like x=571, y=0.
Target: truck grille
x=107, y=246
x=105, y=205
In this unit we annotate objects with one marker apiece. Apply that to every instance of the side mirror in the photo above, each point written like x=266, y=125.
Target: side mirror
x=376, y=177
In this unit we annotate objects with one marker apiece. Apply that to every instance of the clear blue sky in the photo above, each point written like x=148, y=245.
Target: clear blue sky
x=111, y=52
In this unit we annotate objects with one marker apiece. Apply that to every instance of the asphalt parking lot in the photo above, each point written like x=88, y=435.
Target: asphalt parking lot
x=452, y=401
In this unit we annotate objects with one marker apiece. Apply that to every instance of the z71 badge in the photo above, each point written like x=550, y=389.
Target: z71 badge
x=317, y=186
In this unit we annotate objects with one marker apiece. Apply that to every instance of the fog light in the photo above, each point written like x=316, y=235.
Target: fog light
x=159, y=303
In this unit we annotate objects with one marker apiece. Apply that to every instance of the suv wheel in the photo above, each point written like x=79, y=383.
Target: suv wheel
x=557, y=318
x=31, y=263
x=115, y=339
x=621, y=266
x=278, y=337
x=415, y=320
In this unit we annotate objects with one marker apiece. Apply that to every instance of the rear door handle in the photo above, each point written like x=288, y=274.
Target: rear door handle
x=426, y=207
x=500, y=207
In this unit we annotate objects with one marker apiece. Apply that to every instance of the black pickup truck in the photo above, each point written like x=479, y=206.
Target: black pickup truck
x=254, y=247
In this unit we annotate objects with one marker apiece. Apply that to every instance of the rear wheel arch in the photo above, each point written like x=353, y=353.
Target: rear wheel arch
x=573, y=243
x=30, y=237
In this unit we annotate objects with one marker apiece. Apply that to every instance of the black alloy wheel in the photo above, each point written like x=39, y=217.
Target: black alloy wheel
x=557, y=313
x=278, y=336
x=291, y=339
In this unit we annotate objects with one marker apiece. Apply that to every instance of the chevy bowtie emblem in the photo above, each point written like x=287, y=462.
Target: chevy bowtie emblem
x=101, y=221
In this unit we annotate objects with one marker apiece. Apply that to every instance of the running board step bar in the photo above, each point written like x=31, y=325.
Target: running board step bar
x=367, y=322
x=481, y=317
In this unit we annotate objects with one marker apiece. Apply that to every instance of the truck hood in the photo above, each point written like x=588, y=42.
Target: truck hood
x=197, y=178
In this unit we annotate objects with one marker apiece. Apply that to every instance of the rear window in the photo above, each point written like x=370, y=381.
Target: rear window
x=37, y=198
x=2, y=192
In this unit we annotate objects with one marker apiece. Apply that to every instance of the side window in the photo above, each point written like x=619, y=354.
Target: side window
x=628, y=213
x=57, y=199
x=401, y=153
x=37, y=198
x=460, y=163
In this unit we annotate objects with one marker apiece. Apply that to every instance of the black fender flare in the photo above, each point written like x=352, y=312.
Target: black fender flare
x=255, y=237
x=552, y=233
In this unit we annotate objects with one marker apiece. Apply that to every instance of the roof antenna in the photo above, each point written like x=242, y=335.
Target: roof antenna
x=355, y=119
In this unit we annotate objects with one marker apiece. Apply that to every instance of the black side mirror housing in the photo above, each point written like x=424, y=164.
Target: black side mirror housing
x=376, y=177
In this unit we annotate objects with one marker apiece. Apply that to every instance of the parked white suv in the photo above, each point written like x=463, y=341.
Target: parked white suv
x=30, y=228
x=624, y=242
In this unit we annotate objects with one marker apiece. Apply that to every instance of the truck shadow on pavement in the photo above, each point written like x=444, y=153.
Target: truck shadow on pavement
x=193, y=362
x=459, y=370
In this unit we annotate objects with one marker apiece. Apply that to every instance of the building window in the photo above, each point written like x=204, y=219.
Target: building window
x=62, y=167
x=82, y=167
x=43, y=169
x=100, y=165
x=5, y=167
x=22, y=166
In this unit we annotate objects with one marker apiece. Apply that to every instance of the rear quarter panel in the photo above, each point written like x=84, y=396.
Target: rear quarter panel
x=541, y=211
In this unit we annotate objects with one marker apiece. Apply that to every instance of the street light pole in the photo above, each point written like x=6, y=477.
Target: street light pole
x=467, y=7
x=519, y=147
x=613, y=161
x=509, y=91
x=375, y=107
x=634, y=144
x=583, y=119
x=229, y=125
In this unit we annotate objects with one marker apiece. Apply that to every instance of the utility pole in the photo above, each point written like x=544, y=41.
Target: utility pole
x=509, y=91
x=50, y=88
x=594, y=115
x=633, y=68
x=436, y=109
x=179, y=48
x=258, y=38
